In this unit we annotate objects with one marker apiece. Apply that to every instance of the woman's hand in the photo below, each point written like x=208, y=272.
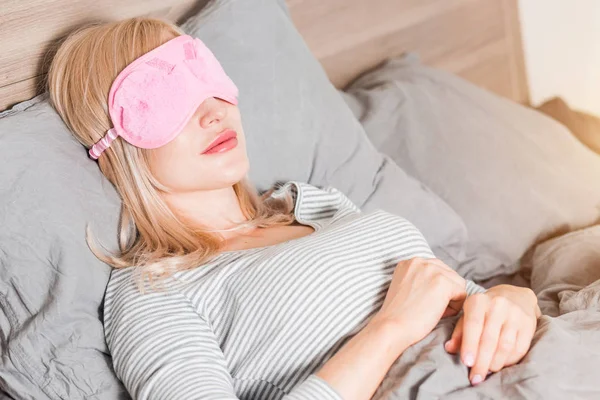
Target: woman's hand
x=419, y=294
x=495, y=330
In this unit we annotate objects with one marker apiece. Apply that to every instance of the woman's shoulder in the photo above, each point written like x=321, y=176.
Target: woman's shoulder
x=316, y=202
x=126, y=289
x=125, y=297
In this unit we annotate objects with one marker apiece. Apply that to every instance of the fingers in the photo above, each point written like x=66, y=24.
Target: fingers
x=494, y=320
x=443, y=278
x=459, y=286
x=523, y=342
x=454, y=307
x=439, y=263
x=457, y=305
x=495, y=331
x=447, y=271
x=474, y=318
x=453, y=344
x=505, y=347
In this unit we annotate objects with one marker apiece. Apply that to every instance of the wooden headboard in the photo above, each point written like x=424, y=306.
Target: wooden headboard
x=477, y=39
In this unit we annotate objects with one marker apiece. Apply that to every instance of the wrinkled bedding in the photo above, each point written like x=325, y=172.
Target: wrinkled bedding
x=564, y=359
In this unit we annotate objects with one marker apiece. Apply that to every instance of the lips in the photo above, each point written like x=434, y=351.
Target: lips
x=223, y=137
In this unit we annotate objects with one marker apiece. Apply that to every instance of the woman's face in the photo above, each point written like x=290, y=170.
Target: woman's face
x=180, y=164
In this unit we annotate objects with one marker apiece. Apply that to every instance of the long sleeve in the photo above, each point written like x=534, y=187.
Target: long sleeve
x=473, y=288
x=163, y=350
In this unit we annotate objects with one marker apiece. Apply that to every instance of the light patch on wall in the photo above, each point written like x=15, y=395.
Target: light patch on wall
x=561, y=40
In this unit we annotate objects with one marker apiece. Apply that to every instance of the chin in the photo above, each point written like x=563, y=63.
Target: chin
x=231, y=174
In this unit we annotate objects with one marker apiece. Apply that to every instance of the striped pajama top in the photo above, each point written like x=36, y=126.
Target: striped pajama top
x=259, y=323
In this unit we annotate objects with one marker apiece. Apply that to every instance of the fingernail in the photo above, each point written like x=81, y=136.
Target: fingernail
x=447, y=344
x=476, y=379
x=469, y=360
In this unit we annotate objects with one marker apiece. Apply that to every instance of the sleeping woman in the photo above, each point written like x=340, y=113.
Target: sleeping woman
x=219, y=292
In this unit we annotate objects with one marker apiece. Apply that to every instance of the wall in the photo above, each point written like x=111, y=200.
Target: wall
x=561, y=40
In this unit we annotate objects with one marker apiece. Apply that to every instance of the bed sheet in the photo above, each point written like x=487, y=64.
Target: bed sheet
x=564, y=358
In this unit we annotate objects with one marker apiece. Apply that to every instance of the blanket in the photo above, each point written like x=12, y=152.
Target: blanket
x=564, y=359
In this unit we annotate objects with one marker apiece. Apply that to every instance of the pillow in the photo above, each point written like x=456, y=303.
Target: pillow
x=298, y=128
x=295, y=120
x=514, y=175
x=51, y=285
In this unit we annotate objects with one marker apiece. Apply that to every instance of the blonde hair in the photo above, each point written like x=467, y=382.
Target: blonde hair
x=151, y=237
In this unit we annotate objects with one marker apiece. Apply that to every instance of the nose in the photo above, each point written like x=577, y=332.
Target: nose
x=214, y=112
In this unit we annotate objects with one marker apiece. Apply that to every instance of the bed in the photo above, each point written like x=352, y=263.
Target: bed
x=418, y=107
x=476, y=39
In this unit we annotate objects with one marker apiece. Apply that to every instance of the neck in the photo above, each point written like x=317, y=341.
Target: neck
x=211, y=210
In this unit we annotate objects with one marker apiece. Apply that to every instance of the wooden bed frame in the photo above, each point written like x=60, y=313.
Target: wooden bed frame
x=479, y=40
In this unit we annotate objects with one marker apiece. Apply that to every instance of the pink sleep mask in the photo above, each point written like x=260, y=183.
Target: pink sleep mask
x=154, y=97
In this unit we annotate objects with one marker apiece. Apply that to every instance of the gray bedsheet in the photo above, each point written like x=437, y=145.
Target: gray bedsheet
x=564, y=359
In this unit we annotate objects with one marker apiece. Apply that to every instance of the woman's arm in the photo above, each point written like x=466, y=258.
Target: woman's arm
x=163, y=349
x=418, y=295
x=358, y=368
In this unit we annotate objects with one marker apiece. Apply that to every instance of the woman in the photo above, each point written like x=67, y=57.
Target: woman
x=294, y=294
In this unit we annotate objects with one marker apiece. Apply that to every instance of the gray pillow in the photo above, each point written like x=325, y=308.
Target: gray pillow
x=514, y=175
x=51, y=285
x=298, y=128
